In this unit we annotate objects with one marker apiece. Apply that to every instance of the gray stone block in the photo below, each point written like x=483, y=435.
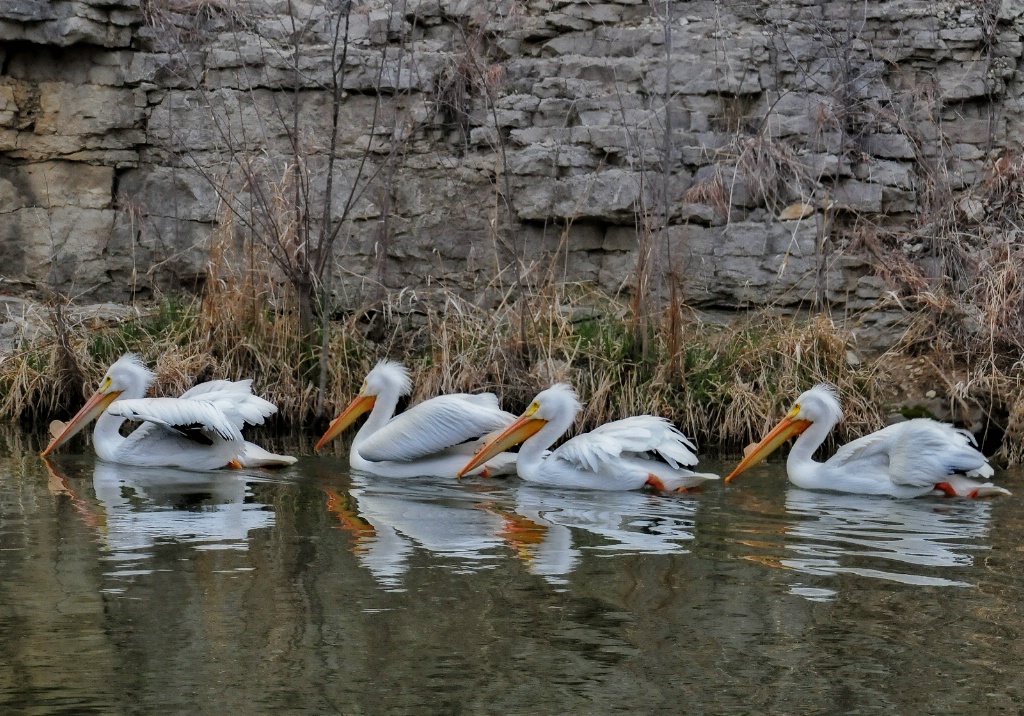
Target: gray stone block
x=858, y=196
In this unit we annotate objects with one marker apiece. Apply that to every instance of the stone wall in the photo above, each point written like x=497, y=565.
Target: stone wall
x=552, y=130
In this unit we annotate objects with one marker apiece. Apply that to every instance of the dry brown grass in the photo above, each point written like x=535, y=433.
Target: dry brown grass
x=765, y=171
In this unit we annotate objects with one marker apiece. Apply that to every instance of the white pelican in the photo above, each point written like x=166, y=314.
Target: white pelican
x=615, y=456
x=434, y=437
x=201, y=430
x=908, y=459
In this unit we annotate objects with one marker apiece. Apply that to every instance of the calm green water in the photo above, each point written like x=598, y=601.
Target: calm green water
x=310, y=591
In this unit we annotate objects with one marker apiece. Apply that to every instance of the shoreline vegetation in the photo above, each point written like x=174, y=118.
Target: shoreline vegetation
x=722, y=384
x=294, y=169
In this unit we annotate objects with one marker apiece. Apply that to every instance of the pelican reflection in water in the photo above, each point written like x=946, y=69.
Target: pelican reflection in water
x=550, y=529
x=138, y=508
x=390, y=518
x=546, y=529
x=919, y=543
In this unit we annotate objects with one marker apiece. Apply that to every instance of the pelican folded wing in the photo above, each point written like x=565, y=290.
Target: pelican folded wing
x=179, y=416
x=434, y=426
x=649, y=433
x=235, y=399
x=591, y=451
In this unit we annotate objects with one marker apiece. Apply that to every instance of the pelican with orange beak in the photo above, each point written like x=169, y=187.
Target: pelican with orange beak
x=614, y=456
x=201, y=430
x=908, y=459
x=435, y=437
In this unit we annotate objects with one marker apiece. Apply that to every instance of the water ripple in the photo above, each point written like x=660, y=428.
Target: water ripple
x=879, y=538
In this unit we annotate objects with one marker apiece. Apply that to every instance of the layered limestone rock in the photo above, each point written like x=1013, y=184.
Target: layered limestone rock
x=474, y=134
x=62, y=23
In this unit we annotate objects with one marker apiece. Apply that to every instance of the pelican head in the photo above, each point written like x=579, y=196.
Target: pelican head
x=819, y=405
x=557, y=405
x=388, y=379
x=127, y=376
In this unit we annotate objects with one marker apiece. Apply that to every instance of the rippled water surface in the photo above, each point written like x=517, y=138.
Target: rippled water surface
x=310, y=590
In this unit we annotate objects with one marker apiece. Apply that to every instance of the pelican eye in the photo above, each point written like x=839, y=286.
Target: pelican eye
x=794, y=412
x=106, y=383
x=534, y=407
